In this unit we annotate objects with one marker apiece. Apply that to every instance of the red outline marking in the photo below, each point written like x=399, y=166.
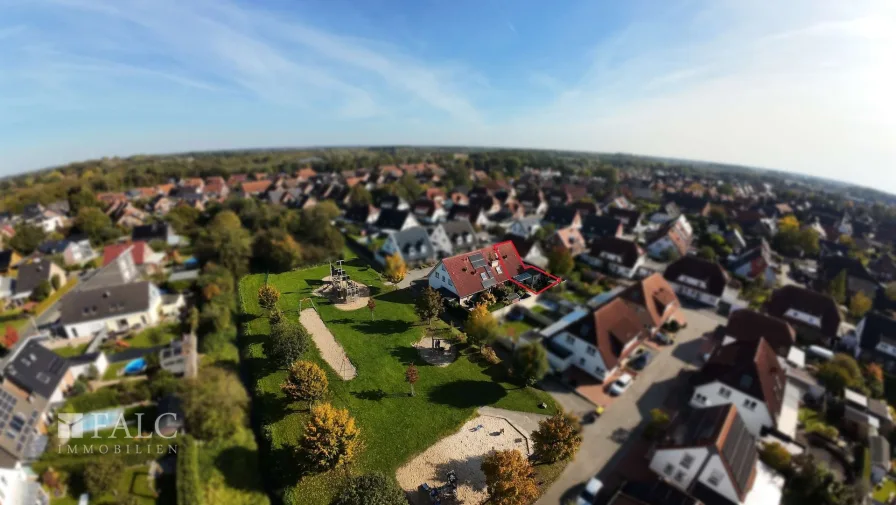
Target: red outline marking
x=557, y=280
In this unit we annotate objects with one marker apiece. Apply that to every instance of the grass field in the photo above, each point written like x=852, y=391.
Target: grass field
x=71, y=351
x=152, y=337
x=394, y=426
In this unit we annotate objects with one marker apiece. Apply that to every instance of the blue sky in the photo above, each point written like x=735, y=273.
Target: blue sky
x=803, y=85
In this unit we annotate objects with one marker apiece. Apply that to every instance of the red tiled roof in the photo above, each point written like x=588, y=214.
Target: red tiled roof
x=612, y=327
x=237, y=179
x=215, y=185
x=731, y=364
x=306, y=173
x=654, y=294
x=468, y=280
x=111, y=252
x=255, y=187
x=748, y=325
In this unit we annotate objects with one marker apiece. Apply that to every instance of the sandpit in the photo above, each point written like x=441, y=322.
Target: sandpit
x=330, y=350
x=462, y=452
x=327, y=291
x=435, y=356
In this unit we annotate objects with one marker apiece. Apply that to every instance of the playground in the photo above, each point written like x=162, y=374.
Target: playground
x=341, y=290
x=436, y=351
x=461, y=453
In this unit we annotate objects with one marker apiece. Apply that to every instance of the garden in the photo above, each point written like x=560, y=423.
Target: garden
x=379, y=342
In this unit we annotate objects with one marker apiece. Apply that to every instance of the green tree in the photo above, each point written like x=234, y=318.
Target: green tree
x=408, y=187
x=95, y=224
x=859, y=305
x=776, y=456
x=268, y=296
x=557, y=438
x=395, y=269
x=891, y=291
x=288, y=342
x=481, y=327
x=706, y=252
x=370, y=489
x=411, y=375
x=80, y=198
x=359, y=195
x=331, y=437
x=55, y=282
x=225, y=242
x=305, y=381
x=839, y=373
x=837, y=287
x=184, y=219
x=103, y=475
x=275, y=250
x=659, y=420
x=560, y=262
x=509, y=478
x=530, y=363
x=214, y=404
x=429, y=305
x=27, y=238
x=41, y=291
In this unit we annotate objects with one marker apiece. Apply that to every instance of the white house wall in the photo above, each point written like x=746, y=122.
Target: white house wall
x=724, y=487
x=679, y=476
x=439, y=279
x=695, y=294
x=593, y=365
x=754, y=419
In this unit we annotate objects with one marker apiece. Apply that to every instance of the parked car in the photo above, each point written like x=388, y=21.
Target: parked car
x=641, y=362
x=587, y=496
x=621, y=384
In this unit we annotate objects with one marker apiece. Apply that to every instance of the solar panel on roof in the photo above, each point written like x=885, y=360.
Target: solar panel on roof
x=477, y=260
x=487, y=283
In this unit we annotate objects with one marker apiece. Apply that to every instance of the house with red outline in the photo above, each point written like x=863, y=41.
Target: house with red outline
x=465, y=275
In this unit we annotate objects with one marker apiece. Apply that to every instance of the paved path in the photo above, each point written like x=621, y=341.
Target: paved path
x=413, y=275
x=526, y=421
x=330, y=350
x=603, y=439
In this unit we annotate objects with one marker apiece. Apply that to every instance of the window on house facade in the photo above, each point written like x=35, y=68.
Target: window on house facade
x=669, y=469
x=724, y=392
x=581, y=361
x=570, y=340
x=679, y=476
x=750, y=404
x=686, y=461
x=700, y=399
x=715, y=477
x=590, y=351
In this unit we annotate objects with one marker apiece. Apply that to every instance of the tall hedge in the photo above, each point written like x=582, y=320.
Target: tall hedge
x=189, y=485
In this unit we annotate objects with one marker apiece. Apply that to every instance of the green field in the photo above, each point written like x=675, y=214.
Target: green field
x=394, y=426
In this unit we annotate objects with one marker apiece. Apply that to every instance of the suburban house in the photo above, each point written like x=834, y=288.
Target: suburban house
x=525, y=227
x=80, y=365
x=428, y=211
x=858, y=278
x=673, y=239
x=9, y=260
x=533, y=201
x=6, y=290
x=814, y=315
x=17, y=484
x=595, y=227
x=78, y=252
x=32, y=274
x=630, y=219
x=754, y=263
x=866, y=417
x=665, y=213
x=562, y=217
x=115, y=309
x=876, y=339
x=45, y=219
x=216, y=188
x=620, y=257
x=529, y=250
x=412, y=244
x=654, y=491
x=464, y=275
x=123, y=213
x=159, y=230
x=698, y=279
x=477, y=216
x=884, y=268
x=37, y=371
x=362, y=214
x=655, y=301
x=395, y=220
x=689, y=204
x=747, y=374
x=249, y=189
x=711, y=454
x=747, y=325
x=599, y=343
x=568, y=239
x=453, y=237
x=144, y=257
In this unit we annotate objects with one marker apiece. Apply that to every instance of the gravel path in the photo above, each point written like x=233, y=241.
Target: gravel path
x=462, y=452
x=330, y=350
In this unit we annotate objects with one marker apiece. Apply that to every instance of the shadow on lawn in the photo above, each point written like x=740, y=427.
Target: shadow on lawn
x=467, y=393
x=406, y=355
x=232, y=462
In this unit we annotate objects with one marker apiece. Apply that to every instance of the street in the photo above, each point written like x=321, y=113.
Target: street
x=603, y=439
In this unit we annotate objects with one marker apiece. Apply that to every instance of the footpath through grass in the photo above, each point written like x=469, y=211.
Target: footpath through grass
x=394, y=426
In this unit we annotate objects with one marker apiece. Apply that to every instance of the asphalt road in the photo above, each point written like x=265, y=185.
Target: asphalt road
x=606, y=440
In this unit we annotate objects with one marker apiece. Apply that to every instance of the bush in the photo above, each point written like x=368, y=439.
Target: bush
x=489, y=354
x=287, y=343
x=557, y=438
x=776, y=456
x=56, y=282
x=41, y=291
x=268, y=296
x=370, y=489
x=658, y=422
x=189, y=484
x=530, y=363
x=331, y=437
x=305, y=381
x=824, y=430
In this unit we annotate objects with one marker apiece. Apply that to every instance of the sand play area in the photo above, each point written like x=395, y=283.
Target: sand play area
x=330, y=350
x=443, y=355
x=462, y=452
x=327, y=291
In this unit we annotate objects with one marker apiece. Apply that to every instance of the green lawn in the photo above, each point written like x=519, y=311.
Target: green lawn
x=152, y=337
x=517, y=328
x=394, y=426
x=71, y=351
x=113, y=369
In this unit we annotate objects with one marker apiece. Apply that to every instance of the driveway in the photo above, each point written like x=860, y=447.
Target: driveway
x=413, y=276
x=619, y=426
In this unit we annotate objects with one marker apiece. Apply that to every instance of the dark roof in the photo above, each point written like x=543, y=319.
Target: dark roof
x=32, y=274
x=676, y=233
x=722, y=429
x=628, y=251
x=359, y=213
x=523, y=245
x=468, y=212
x=154, y=231
x=808, y=302
x=830, y=267
x=877, y=327
x=883, y=265
x=36, y=369
x=391, y=219
x=689, y=204
x=105, y=302
x=595, y=226
x=750, y=367
x=414, y=243
x=82, y=359
x=630, y=218
x=53, y=246
x=459, y=228
x=5, y=259
x=656, y=492
x=749, y=325
x=708, y=272
x=750, y=255
x=560, y=216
